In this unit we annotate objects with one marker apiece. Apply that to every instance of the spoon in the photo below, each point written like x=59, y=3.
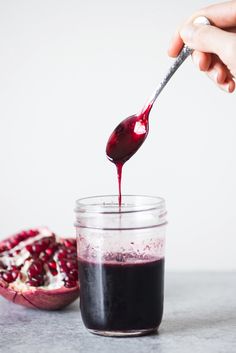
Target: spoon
x=130, y=134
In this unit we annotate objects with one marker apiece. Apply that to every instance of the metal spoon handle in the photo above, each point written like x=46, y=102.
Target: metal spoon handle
x=185, y=52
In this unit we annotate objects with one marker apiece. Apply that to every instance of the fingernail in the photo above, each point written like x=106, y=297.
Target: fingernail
x=187, y=33
x=226, y=87
x=231, y=86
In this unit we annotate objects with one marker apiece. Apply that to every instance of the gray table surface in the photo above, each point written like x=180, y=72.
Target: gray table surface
x=200, y=316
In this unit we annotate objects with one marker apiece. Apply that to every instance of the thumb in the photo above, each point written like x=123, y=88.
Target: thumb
x=210, y=39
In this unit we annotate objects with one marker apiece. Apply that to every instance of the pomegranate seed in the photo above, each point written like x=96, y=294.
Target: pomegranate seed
x=72, y=256
x=19, y=238
x=37, y=248
x=44, y=257
x=70, y=251
x=35, y=269
x=69, y=243
x=70, y=284
x=53, y=267
x=17, y=252
x=52, y=264
x=8, y=245
x=24, y=234
x=73, y=274
x=3, y=248
x=62, y=254
x=15, y=274
x=32, y=233
x=71, y=264
x=29, y=248
x=36, y=281
x=45, y=242
x=62, y=264
x=50, y=251
x=7, y=276
x=15, y=268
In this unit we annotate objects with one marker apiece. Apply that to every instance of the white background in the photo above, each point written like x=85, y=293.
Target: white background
x=70, y=70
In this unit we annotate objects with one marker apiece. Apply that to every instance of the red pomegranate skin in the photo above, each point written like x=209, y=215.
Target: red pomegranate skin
x=53, y=299
x=38, y=297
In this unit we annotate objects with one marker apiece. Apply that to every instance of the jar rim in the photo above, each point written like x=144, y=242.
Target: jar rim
x=108, y=204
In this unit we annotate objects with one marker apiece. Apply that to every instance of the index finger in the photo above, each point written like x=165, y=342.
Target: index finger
x=176, y=45
x=221, y=15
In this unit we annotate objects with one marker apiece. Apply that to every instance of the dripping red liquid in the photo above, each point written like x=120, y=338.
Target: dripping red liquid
x=119, y=167
x=126, y=139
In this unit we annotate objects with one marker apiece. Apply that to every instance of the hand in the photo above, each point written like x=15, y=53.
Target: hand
x=214, y=45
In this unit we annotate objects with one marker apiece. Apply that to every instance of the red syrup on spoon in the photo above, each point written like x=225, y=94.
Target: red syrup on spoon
x=126, y=139
x=130, y=134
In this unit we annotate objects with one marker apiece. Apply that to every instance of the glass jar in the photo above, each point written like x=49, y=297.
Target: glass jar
x=121, y=263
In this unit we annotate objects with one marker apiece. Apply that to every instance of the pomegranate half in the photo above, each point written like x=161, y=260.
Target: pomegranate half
x=38, y=270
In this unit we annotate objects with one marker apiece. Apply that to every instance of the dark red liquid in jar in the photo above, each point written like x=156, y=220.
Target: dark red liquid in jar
x=126, y=139
x=122, y=296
